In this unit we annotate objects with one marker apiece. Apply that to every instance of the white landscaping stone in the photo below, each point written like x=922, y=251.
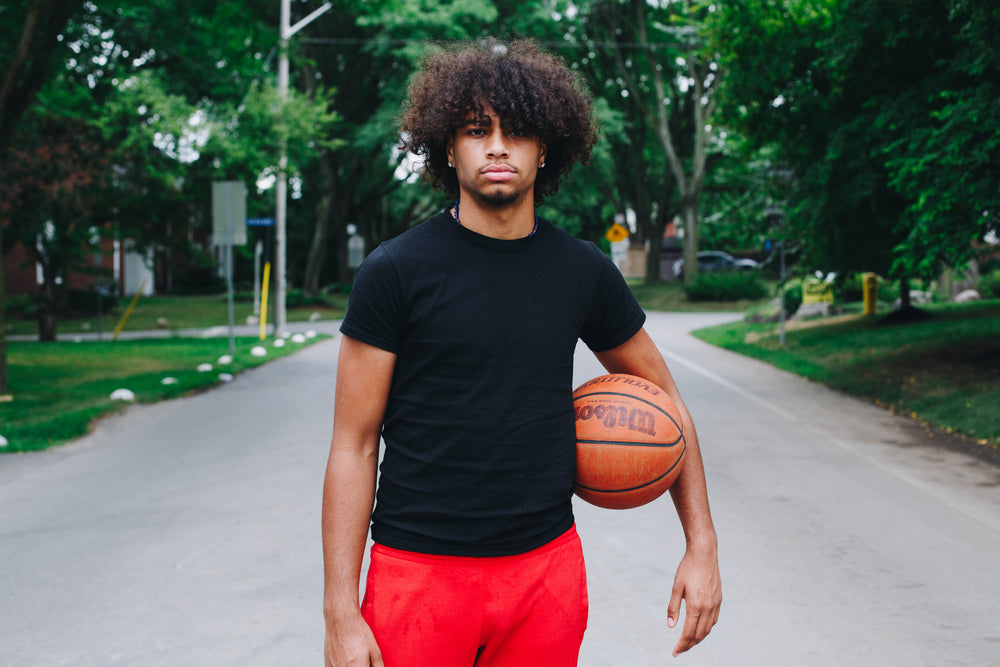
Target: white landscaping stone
x=280, y=342
x=225, y=377
x=966, y=296
x=258, y=351
x=310, y=334
x=204, y=368
x=298, y=338
x=225, y=359
x=168, y=380
x=122, y=395
x=3, y=441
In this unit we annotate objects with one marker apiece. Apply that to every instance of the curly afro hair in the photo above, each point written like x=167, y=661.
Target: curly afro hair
x=532, y=91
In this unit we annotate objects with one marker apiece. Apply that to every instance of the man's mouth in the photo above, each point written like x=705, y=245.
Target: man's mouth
x=498, y=173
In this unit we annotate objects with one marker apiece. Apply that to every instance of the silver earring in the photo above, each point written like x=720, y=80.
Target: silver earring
x=541, y=166
x=450, y=165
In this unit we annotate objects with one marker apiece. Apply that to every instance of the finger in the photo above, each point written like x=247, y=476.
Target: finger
x=689, y=635
x=704, y=621
x=674, y=606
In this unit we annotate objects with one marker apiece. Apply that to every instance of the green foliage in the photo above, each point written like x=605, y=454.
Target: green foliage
x=849, y=288
x=726, y=286
x=989, y=284
x=87, y=302
x=22, y=305
x=792, y=298
x=873, y=108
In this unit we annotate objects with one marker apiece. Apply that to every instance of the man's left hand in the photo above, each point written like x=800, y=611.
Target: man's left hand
x=699, y=584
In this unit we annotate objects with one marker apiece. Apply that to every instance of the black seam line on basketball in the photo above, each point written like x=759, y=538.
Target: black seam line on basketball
x=638, y=398
x=641, y=486
x=630, y=443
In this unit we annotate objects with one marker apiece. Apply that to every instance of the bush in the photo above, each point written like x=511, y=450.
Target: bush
x=200, y=280
x=22, y=305
x=726, y=286
x=792, y=298
x=296, y=298
x=849, y=289
x=84, y=302
x=989, y=285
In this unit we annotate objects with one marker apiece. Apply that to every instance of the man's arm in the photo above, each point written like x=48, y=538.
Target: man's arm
x=697, y=580
x=364, y=374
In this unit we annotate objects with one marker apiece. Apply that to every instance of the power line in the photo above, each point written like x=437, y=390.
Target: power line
x=356, y=41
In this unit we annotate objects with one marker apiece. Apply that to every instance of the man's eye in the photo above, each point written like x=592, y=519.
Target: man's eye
x=476, y=132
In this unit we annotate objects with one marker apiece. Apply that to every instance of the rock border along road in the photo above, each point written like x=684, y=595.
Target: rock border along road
x=187, y=532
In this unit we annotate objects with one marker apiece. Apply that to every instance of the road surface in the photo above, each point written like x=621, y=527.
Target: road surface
x=187, y=532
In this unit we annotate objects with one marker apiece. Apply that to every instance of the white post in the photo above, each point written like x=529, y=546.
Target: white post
x=258, y=253
x=281, y=188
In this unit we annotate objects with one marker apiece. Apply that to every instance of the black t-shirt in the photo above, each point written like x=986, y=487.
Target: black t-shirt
x=480, y=439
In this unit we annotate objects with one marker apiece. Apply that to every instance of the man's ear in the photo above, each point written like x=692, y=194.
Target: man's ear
x=541, y=154
x=450, y=151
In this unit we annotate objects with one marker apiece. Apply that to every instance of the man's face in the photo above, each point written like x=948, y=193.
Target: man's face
x=498, y=168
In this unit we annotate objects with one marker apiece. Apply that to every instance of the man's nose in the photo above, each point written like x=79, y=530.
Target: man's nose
x=496, y=144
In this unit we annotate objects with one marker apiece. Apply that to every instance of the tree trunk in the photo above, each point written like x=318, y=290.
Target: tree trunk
x=321, y=233
x=702, y=105
x=689, y=218
x=4, y=388
x=664, y=213
x=47, y=310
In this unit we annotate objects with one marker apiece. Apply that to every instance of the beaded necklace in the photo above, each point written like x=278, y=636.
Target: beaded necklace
x=459, y=220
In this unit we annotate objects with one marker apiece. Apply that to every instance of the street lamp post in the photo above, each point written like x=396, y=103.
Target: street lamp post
x=281, y=187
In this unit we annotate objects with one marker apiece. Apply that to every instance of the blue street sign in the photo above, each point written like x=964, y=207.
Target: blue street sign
x=260, y=222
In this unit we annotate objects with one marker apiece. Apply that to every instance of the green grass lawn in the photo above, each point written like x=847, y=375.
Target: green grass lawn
x=943, y=370
x=61, y=388
x=670, y=297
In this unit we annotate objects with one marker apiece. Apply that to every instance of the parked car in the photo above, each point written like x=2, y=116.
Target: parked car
x=717, y=260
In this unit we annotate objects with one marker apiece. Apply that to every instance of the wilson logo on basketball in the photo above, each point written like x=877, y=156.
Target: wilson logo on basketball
x=635, y=419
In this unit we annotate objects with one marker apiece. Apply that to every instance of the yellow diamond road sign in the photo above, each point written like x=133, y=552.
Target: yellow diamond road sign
x=616, y=233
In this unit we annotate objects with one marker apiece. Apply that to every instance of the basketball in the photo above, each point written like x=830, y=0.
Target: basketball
x=629, y=441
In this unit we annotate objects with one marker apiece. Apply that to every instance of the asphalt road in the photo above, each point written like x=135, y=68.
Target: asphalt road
x=187, y=532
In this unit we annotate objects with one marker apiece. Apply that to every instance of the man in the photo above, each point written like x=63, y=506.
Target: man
x=458, y=350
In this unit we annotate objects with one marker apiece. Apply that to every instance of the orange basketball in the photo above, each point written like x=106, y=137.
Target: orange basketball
x=629, y=441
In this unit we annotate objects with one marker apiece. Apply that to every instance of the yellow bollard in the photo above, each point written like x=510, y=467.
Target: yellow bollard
x=870, y=288
x=263, y=301
x=128, y=311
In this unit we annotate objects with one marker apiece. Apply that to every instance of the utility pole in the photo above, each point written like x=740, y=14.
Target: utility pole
x=281, y=188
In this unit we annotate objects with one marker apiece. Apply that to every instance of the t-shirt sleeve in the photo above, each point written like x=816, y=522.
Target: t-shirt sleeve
x=615, y=315
x=374, y=313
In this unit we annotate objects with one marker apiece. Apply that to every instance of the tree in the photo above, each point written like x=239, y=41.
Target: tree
x=941, y=145
x=371, y=47
x=52, y=181
x=875, y=106
x=665, y=85
x=30, y=34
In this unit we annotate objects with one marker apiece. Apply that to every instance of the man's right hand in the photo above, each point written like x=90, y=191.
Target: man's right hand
x=350, y=643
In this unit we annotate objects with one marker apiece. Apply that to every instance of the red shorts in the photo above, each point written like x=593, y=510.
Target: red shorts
x=526, y=610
